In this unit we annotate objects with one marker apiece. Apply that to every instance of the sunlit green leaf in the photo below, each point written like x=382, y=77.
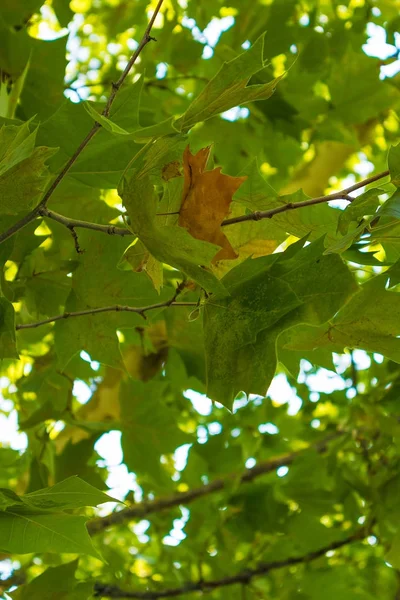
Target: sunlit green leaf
x=229, y=87
x=70, y=493
x=26, y=530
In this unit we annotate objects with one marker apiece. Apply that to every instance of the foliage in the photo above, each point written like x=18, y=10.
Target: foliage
x=200, y=255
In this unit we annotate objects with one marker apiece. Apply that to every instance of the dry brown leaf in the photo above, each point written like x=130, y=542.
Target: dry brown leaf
x=206, y=200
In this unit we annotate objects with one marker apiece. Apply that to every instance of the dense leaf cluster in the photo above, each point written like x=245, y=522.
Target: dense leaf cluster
x=200, y=257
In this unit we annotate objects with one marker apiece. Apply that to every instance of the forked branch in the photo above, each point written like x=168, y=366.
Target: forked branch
x=96, y=127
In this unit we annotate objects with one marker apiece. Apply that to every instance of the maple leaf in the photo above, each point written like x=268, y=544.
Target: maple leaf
x=206, y=200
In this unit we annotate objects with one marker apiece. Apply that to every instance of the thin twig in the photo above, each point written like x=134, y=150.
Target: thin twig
x=243, y=577
x=143, y=509
x=140, y=310
x=150, y=82
x=268, y=214
x=96, y=127
x=76, y=240
x=75, y=223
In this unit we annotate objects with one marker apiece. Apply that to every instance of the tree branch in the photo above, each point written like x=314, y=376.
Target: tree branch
x=140, y=310
x=268, y=214
x=150, y=82
x=71, y=224
x=96, y=127
x=143, y=509
x=243, y=577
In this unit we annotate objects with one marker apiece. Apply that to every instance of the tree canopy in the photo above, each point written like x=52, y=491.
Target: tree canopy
x=199, y=310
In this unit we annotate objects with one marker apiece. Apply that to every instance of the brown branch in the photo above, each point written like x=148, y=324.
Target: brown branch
x=72, y=224
x=76, y=241
x=268, y=214
x=96, y=127
x=143, y=509
x=140, y=310
x=243, y=577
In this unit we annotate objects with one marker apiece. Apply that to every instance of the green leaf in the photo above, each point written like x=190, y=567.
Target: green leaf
x=161, y=129
x=63, y=12
x=163, y=151
x=27, y=530
x=358, y=325
x=43, y=88
x=393, y=556
x=23, y=173
x=257, y=194
x=344, y=243
x=8, y=348
x=103, y=161
x=267, y=296
x=355, y=255
x=394, y=164
x=60, y=581
x=16, y=13
x=229, y=87
x=104, y=121
x=139, y=258
x=125, y=108
x=353, y=79
x=391, y=208
x=149, y=428
x=9, y=498
x=364, y=205
x=125, y=111
x=95, y=283
x=169, y=244
x=97, y=336
x=15, y=49
x=70, y=493
x=12, y=465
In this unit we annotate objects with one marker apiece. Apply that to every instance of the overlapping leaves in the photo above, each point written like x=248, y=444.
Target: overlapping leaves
x=23, y=173
x=267, y=296
x=36, y=522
